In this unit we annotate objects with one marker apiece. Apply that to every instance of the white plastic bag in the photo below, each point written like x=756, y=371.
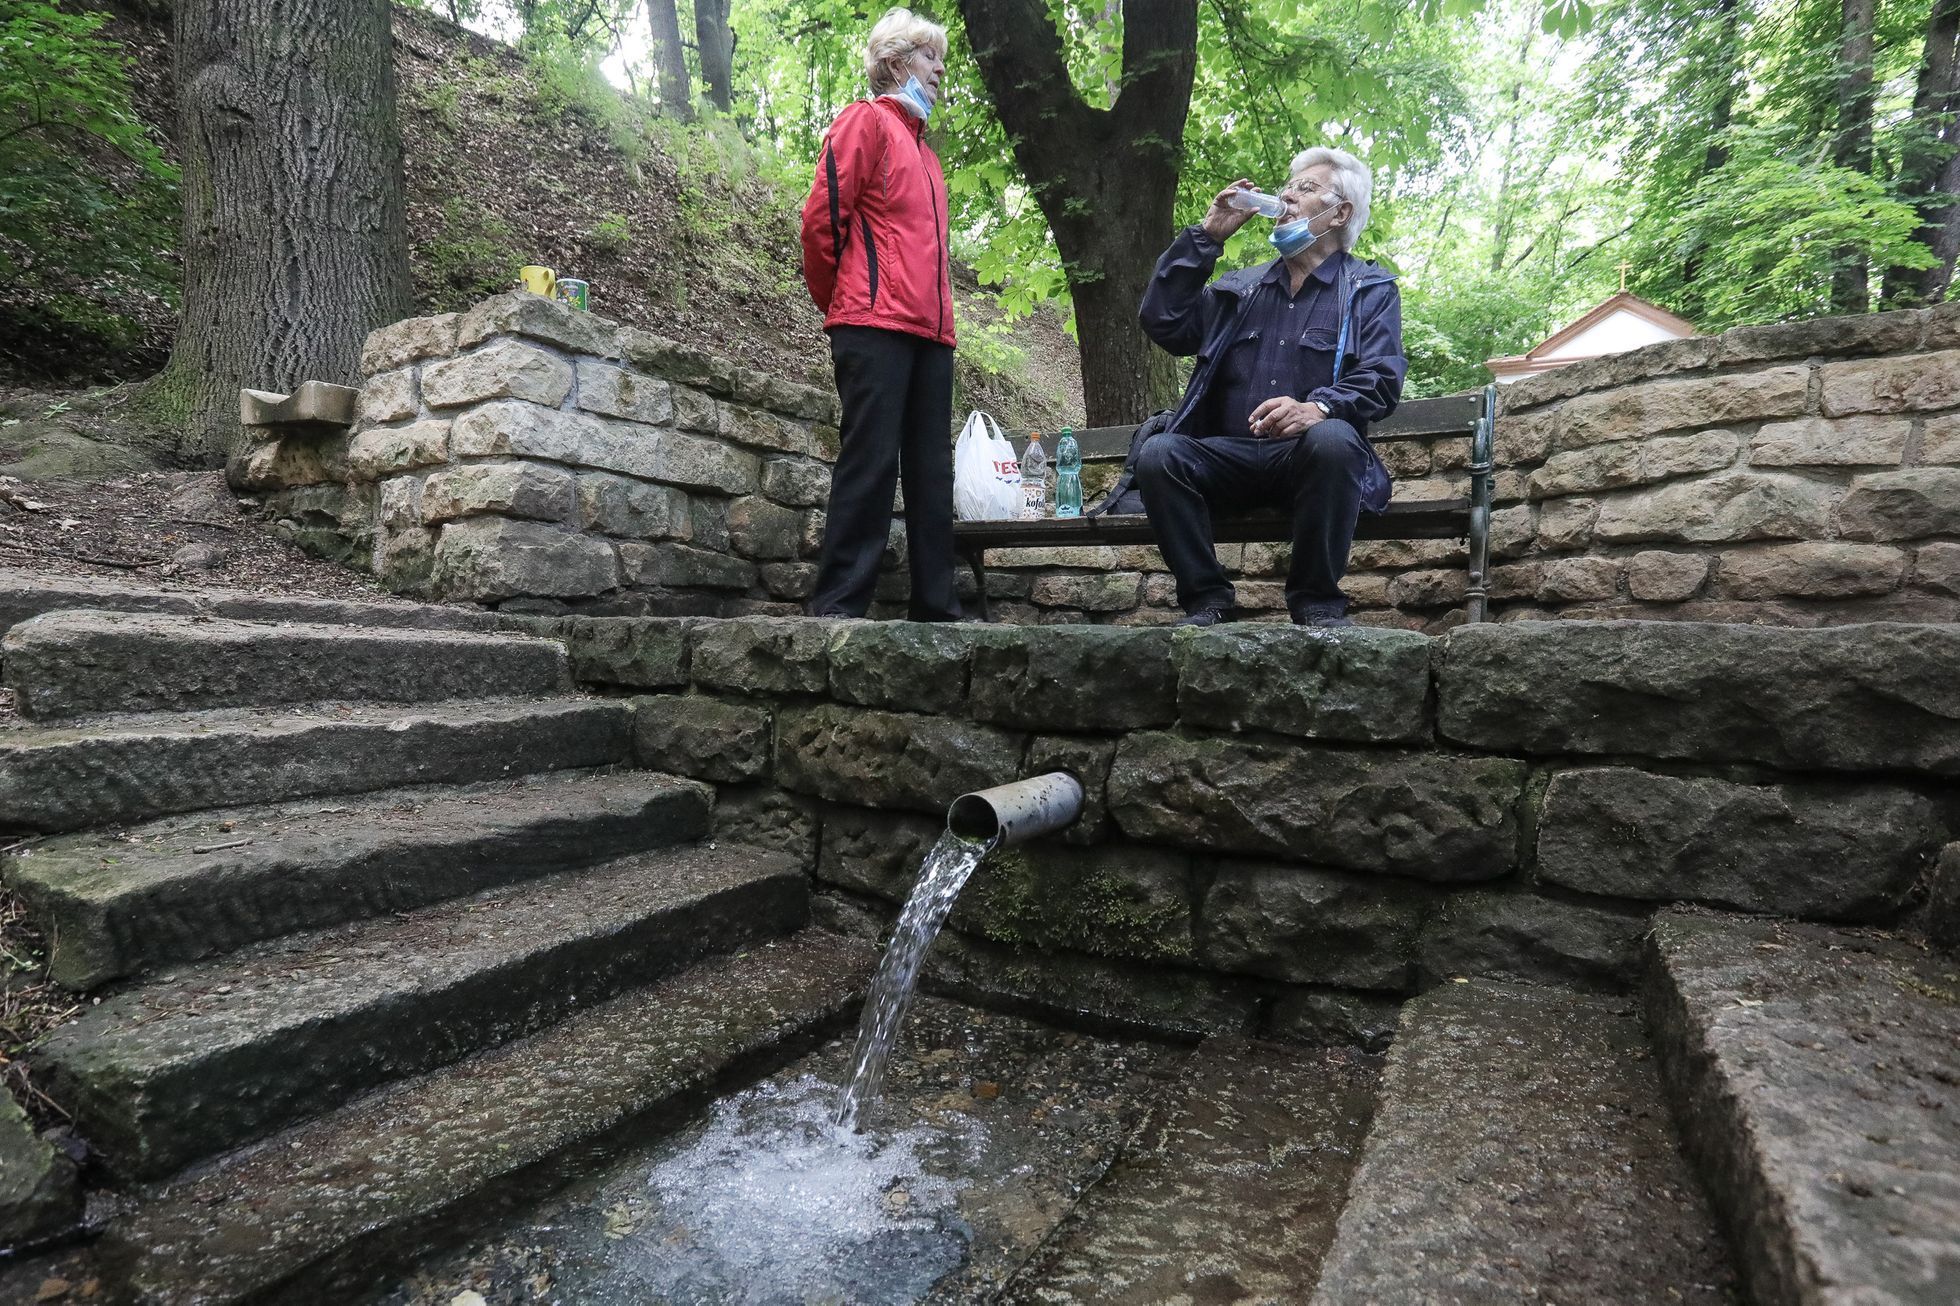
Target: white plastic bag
x=986, y=474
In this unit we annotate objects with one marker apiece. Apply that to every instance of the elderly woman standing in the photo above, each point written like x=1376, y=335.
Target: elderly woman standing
x=875, y=259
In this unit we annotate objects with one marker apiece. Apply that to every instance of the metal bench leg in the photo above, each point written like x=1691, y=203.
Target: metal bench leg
x=977, y=559
x=1477, y=601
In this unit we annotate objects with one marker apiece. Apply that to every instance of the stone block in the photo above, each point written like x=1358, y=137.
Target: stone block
x=620, y=505
x=1821, y=442
x=1942, y=919
x=762, y=655
x=888, y=759
x=1655, y=576
x=1907, y=504
x=1937, y=568
x=1642, y=411
x=287, y=461
x=699, y=463
x=1663, y=358
x=1405, y=458
x=1941, y=441
x=811, y=542
x=1913, y=383
x=1361, y=686
x=875, y=852
x=762, y=430
x=1398, y=554
x=487, y=558
x=1073, y=678
x=1517, y=580
x=1088, y=759
x=397, y=345
x=1816, y=569
x=1875, y=333
x=1438, y=587
x=506, y=369
x=914, y=666
x=1567, y=523
x=40, y=1191
x=710, y=518
x=684, y=567
x=1310, y=926
x=1731, y=507
x=619, y=392
x=763, y=816
x=789, y=580
x=525, y=430
x=389, y=397
x=390, y=450
x=1430, y=489
x=1512, y=531
x=520, y=313
x=1524, y=437
x=826, y=442
x=1621, y=464
x=796, y=483
x=1578, y=580
x=1425, y=815
x=1363, y=590
x=1857, y=698
x=1849, y=852
x=1489, y=934
x=676, y=362
x=400, y=503
x=640, y=652
x=1106, y=902
x=404, y=559
x=767, y=390
x=761, y=529
x=510, y=489
x=686, y=734
x=695, y=411
x=1105, y=592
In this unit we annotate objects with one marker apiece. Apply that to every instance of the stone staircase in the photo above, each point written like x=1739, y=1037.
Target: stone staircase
x=390, y=940
x=374, y=921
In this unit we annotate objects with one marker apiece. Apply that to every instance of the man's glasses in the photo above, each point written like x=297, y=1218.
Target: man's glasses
x=1305, y=189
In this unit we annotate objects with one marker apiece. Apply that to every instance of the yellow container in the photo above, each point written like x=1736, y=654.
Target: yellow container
x=539, y=280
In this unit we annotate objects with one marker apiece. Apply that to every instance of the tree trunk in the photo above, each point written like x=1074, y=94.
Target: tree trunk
x=1929, y=146
x=1850, y=291
x=295, y=244
x=1106, y=179
x=717, y=46
x=663, y=20
x=1721, y=113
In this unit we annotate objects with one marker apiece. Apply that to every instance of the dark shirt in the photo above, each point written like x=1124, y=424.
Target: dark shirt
x=1284, y=345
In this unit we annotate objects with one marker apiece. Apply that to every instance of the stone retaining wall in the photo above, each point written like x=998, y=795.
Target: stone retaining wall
x=1294, y=830
x=536, y=458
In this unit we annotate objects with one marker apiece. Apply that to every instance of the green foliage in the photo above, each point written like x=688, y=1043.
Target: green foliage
x=612, y=235
x=988, y=347
x=87, y=199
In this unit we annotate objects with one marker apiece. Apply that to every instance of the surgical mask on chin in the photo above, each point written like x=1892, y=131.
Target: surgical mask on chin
x=1289, y=238
x=913, y=96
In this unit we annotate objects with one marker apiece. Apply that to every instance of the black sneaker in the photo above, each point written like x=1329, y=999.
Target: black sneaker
x=1205, y=617
x=1322, y=615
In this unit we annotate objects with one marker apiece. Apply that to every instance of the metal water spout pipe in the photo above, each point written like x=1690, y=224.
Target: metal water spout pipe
x=1014, y=813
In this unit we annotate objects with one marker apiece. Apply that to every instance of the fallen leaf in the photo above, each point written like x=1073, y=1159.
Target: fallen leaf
x=987, y=1090
x=52, y=1290
x=468, y=1297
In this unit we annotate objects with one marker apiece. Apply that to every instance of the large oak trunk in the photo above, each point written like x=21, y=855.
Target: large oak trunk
x=670, y=64
x=1106, y=179
x=716, y=43
x=295, y=245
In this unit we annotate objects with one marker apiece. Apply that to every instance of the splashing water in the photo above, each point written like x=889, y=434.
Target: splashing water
x=773, y=1205
x=945, y=871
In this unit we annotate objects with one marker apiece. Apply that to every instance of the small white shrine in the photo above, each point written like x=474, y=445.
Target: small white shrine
x=1621, y=322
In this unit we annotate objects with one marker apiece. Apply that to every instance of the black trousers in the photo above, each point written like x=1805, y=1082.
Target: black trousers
x=1316, y=475
x=898, y=420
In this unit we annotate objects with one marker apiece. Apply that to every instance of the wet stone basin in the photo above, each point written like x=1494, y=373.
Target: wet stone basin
x=989, y=1131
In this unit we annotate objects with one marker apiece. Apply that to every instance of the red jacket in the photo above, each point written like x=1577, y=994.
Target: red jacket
x=875, y=225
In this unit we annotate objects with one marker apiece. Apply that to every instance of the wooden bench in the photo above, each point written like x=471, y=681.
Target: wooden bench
x=1467, y=416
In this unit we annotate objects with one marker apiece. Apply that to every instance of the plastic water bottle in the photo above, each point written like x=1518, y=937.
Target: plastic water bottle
x=1034, y=480
x=1269, y=206
x=1068, y=475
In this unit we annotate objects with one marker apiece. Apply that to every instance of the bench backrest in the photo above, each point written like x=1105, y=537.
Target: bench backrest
x=1413, y=419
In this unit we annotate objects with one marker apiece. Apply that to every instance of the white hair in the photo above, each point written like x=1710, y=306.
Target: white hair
x=1352, y=182
x=893, y=39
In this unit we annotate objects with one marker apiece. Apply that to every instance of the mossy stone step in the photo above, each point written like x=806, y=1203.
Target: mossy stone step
x=67, y=664
x=1521, y=1151
x=1816, y=1073
x=188, y=887
x=1230, y=1192
x=125, y=769
x=213, y=1055
x=303, y=1218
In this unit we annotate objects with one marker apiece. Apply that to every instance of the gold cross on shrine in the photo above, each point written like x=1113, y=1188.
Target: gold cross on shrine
x=1624, y=269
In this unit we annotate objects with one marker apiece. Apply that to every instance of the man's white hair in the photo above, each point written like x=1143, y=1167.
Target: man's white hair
x=893, y=39
x=1352, y=182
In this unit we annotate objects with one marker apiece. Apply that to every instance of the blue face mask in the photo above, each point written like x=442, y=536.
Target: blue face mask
x=913, y=96
x=1289, y=238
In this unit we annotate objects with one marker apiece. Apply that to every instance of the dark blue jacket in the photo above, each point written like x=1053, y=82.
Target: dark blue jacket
x=1187, y=316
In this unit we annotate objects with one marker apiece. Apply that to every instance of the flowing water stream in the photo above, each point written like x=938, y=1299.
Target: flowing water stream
x=945, y=871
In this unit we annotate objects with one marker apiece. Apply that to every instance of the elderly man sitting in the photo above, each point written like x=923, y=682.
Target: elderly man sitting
x=1295, y=358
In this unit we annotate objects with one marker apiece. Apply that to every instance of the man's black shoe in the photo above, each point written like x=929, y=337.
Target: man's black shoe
x=1322, y=615
x=1205, y=617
